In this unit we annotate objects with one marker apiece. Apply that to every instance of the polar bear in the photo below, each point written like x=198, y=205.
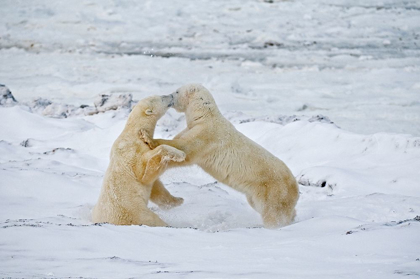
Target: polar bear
x=131, y=178
x=214, y=144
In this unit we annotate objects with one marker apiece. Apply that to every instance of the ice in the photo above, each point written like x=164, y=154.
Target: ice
x=106, y=102
x=6, y=97
x=330, y=87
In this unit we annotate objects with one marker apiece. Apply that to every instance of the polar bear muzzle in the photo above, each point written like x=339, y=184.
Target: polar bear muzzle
x=168, y=99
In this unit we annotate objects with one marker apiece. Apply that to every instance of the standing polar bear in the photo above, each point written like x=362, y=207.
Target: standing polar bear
x=214, y=144
x=131, y=178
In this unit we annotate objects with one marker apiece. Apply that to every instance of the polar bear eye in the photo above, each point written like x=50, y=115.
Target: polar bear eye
x=176, y=92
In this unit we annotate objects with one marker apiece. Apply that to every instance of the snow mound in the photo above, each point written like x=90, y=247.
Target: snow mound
x=105, y=102
x=357, y=193
x=240, y=118
x=102, y=103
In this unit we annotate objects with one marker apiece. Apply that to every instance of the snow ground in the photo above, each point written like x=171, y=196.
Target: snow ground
x=272, y=67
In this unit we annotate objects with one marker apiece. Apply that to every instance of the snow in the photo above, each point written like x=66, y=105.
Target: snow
x=330, y=87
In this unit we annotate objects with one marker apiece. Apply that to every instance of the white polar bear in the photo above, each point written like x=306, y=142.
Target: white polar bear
x=131, y=178
x=214, y=144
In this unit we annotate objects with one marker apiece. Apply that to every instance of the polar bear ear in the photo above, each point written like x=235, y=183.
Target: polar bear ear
x=192, y=90
x=148, y=112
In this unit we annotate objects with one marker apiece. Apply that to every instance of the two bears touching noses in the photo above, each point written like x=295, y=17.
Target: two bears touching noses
x=209, y=141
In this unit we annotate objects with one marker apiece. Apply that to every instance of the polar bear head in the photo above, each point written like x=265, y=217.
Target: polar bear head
x=193, y=97
x=156, y=105
x=150, y=109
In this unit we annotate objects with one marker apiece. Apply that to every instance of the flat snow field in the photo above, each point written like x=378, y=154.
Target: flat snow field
x=331, y=87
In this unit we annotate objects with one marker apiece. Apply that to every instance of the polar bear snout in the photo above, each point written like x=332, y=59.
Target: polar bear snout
x=178, y=102
x=168, y=100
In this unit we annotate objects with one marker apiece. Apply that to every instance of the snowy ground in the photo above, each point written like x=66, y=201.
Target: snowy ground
x=273, y=69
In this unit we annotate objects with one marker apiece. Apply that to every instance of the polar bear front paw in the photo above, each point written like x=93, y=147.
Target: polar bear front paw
x=145, y=137
x=173, y=154
x=171, y=203
x=179, y=156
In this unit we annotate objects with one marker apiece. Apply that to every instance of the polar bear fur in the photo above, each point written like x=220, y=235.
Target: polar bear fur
x=131, y=178
x=214, y=144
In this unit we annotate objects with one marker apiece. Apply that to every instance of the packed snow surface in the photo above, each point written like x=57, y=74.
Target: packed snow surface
x=332, y=88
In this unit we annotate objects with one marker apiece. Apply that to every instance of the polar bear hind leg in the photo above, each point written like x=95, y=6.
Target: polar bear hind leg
x=142, y=215
x=161, y=197
x=278, y=215
x=275, y=208
x=151, y=219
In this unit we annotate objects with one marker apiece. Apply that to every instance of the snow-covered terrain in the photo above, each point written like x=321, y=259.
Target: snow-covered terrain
x=330, y=87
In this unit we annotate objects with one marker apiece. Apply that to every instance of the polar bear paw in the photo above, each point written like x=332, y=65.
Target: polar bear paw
x=146, y=138
x=171, y=203
x=173, y=154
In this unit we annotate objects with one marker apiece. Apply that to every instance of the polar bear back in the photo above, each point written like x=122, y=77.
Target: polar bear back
x=235, y=160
